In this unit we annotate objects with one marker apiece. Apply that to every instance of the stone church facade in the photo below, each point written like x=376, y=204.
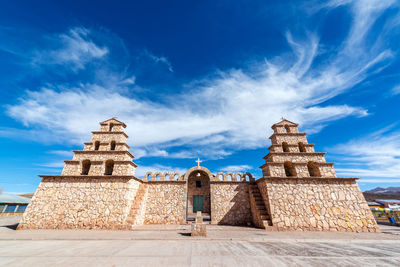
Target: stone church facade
x=98, y=189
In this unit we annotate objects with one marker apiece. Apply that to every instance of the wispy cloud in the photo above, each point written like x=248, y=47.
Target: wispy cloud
x=396, y=90
x=236, y=168
x=158, y=59
x=225, y=111
x=56, y=164
x=74, y=48
x=375, y=155
x=64, y=153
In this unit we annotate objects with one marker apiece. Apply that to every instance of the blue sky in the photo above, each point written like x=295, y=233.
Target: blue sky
x=200, y=78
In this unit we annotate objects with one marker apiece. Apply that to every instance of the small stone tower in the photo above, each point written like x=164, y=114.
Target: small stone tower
x=106, y=153
x=301, y=191
x=292, y=156
x=96, y=189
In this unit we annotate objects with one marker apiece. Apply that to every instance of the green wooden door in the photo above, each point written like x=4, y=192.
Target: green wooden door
x=197, y=203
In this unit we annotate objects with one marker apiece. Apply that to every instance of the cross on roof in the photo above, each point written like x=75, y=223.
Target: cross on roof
x=198, y=162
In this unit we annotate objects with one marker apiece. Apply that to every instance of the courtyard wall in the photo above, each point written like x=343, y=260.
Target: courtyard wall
x=165, y=202
x=230, y=203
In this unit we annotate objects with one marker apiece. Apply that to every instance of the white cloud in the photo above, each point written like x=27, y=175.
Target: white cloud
x=158, y=59
x=375, y=155
x=396, y=90
x=236, y=168
x=64, y=153
x=75, y=48
x=226, y=111
x=377, y=181
x=56, y=164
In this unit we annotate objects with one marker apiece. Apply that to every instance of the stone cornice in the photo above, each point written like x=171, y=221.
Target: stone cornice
x=294, y=153
x=281, y=123
x=104, y=132
x=166, y=182
x=309, y=178
x=72, y=161
x=111, y=177
x=296, y=163
x=232, y=182
x=126, y=162
x=103, y=152
x=107, y=143
x=291, y=145
x=287, y=134
x=114, y=121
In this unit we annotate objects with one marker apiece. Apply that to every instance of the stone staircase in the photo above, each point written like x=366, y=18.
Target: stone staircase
x=137, y=206
x=261, y=217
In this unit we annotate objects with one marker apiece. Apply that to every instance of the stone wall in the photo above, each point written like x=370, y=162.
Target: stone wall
x=84, y=203
x=321, y=204
x=165, y=202
x=230, y=203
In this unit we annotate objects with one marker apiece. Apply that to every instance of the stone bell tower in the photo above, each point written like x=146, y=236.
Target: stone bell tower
x=292, y=156
x=302, y=192
x=96, y=189
x=106, y=153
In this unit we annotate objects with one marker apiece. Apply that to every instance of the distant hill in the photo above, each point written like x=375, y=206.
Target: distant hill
x=382, y=193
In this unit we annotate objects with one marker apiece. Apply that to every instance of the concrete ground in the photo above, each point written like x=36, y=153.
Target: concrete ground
x=157, y=245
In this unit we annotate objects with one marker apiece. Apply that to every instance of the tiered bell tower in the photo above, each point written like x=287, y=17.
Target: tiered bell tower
x=292, y=156
x=106, y=153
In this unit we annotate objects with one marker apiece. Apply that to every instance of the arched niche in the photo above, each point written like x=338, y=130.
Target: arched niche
x=198, y=191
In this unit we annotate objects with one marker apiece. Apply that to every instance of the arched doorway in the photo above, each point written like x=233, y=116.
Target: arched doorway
x=198, y=192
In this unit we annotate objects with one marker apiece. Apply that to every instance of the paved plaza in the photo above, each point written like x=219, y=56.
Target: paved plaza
x=172, y=246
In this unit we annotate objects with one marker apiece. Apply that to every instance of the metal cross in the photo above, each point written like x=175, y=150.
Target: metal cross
x=198, y=162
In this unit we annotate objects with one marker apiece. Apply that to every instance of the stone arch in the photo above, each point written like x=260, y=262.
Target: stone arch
x=229, y=176
x=238, y=176
x=197, y=168
x=313, y=169
x=96, y=145
x=287, y=128
x=155, y=176
x=174, y=174
x=147, y=176
x=290, y=170
x=167, y=174
x=285, y=147
x=198, y=186
x=247, y=174
x=86, y=167
x=111, y=127
x=220, y=176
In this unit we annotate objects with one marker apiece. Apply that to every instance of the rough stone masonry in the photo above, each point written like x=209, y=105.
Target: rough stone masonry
x=98, y=189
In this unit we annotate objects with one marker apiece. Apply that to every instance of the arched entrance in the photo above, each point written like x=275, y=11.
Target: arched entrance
x=198, y=192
